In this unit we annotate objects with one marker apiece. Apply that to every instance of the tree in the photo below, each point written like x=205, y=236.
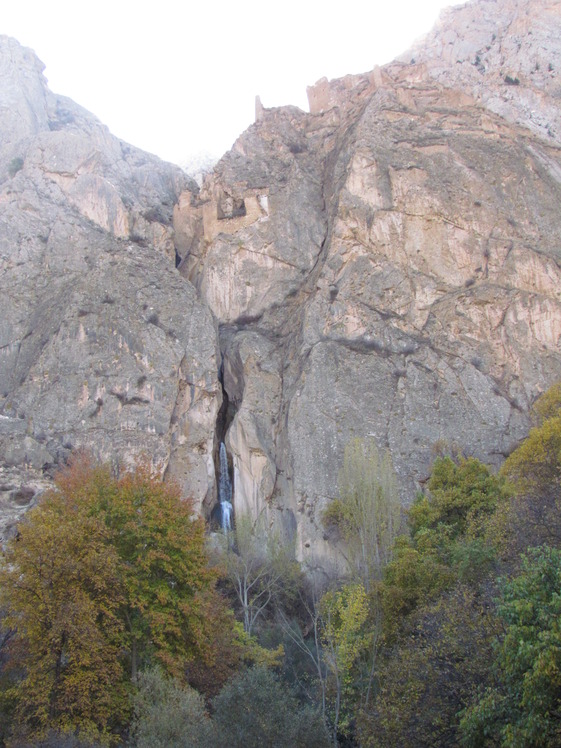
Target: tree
x=425, y=680
x=533, y=471
x=228, y=649
x=168, y=715
x=438, y=621
x=57, y=739
x=7, y=680
x=259, y=567
x=61, y=589
x=306, y=640
x=523, y=707
x=255, y=710
x=107, y=572
x=547, y=405
x=367, y=514
x=461, y=496
x=343, y=615
x=367, y=517
x=164, y=567
x=449, y=537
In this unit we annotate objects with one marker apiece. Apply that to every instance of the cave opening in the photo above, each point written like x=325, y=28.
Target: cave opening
x=230, y=207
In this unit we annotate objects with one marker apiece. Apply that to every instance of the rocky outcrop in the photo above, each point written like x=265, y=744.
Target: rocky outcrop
x=506, y=54
x=387, y=266
x=102, y=344
x=400, y=283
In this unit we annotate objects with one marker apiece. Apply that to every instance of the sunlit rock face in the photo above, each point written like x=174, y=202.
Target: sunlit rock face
x=102, y=344
x=401, y=281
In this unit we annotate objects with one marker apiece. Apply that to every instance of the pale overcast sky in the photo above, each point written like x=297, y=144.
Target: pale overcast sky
x=177, y=77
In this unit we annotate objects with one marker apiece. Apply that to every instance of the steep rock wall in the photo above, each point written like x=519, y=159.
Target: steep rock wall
x=387, y=266
x=102, y=344
x=401, y=284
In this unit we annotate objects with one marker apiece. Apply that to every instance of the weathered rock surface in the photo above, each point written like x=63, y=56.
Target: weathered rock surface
x=102, y=344
x=506, y=54
x=387, y=266
x=402, y=279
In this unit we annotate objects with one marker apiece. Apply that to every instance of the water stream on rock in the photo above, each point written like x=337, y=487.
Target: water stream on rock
x=224, y=491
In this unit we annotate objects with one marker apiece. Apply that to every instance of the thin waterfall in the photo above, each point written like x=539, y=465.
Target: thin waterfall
x=224, y=491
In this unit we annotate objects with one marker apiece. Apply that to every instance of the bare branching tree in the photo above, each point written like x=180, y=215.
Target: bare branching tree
x=258, y=565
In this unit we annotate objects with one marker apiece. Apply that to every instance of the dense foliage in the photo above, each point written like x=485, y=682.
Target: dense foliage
x=523, y=706
x=534, y=473
x=62, y=592
x=437, y=626
x=254, y=709
x=105, y=573
x=118, y=628
x=168, y=714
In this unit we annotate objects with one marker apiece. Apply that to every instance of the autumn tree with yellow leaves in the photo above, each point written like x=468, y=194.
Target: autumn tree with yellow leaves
x=106, y=574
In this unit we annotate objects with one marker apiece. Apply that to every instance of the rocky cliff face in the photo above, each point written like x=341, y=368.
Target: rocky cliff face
x=387, y=266
x=505, y=54
x=102, y=344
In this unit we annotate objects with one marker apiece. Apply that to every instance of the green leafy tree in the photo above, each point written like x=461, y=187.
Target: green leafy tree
x=523, y=708
x=441, y=659
x=414, y=577
x=449, y=537
x=547, y=405
x=461, y=497
x=533, y=471
x=438, y=621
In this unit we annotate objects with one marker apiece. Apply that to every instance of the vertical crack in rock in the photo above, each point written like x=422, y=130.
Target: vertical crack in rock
x=224, y=420
x=228, y=408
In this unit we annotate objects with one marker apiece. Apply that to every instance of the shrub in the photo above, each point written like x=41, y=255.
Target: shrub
x=16, y=164
x=167, y=715
x=255, y=710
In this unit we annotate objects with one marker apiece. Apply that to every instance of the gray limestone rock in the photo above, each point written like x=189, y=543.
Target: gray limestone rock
x=387, y=266
x=103, y=345
x=506, y=54
x=403, y=284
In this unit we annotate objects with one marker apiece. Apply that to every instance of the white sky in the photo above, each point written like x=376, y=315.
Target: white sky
x=177, y=77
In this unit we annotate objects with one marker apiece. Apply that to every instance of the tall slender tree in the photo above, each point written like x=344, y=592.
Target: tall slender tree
x=367, y=514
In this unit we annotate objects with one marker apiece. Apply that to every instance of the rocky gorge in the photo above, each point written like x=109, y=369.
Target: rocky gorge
x=386, y=266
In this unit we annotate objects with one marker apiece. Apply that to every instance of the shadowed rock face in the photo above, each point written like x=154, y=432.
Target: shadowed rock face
x=102, y=344
x=402, y=281
x=387, y=266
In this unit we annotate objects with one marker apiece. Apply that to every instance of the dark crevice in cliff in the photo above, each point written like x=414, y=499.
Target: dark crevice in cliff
x=224, y=420
x=226, y=412
x=229, y=405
